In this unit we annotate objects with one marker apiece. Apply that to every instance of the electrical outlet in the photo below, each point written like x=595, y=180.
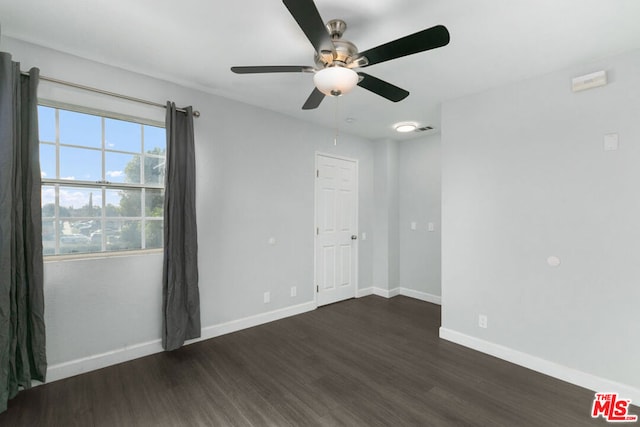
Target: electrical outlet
x=482, y=321
x=267, y=297
x=294, y=291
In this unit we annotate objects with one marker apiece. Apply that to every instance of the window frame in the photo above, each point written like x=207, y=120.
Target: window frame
x=103, y=185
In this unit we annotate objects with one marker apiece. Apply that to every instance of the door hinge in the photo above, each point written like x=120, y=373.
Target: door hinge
x=317, y=288
x=317, y=231
x=317, y=173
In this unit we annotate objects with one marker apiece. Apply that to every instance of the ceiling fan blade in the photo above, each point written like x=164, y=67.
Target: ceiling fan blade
x=382, y=88
x=430, y=38
x=308, y=18
x=314, y=100
x=273, y=69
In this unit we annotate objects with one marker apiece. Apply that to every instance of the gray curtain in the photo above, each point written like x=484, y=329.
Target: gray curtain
x=180, y=295
x=22, y=333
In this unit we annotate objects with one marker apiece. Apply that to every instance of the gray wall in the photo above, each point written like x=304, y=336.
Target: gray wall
x=407, y=189
x=419, y=201
x=525, y=177
x=255, y=180
x=386, y=241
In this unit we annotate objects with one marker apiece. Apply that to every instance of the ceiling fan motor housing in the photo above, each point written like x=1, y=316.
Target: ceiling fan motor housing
x=345, y=54
x=345, y=51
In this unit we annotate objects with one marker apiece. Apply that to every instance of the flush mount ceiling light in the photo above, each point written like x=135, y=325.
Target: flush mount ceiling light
x=335, y=81
x=405, y=127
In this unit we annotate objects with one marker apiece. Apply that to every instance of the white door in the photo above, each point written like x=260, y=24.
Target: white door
x=336, y=229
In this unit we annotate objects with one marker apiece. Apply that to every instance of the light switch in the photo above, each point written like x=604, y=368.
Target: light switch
x=610, y=142
x=431, y=227
x=364, y=236
x=414, y=225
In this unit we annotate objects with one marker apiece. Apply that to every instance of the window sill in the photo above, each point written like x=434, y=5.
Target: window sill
x=99, y=255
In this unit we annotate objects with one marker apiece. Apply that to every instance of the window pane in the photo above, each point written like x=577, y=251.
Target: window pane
x=154, y=203
x=124, y=203
x=96, y=235
x=48, y=201
x=155, y=140
x=154, y=233
x=123, y=136
x=80, y=129
x=112, y=203
x=80, y=165
x=123, y=235
x=131, y=235
x=154, y=170
x=112, y=234
x=122, y=167
x=48, y=237
x=75, y=236
x=48, y=161
x=47, y=123
x=80, y=202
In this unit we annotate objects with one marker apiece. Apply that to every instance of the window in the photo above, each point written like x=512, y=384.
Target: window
x=102, y=182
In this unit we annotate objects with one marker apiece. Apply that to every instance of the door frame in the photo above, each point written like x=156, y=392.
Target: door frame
x=356, y=261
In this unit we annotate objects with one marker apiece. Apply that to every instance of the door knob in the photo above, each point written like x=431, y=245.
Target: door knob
x=354, y=236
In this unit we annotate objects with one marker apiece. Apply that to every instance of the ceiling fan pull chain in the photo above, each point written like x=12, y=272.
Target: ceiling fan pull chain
x=335, y=139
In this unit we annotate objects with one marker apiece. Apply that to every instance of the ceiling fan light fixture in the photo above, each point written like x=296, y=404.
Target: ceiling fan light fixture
x=405, y=127
x=335, y=81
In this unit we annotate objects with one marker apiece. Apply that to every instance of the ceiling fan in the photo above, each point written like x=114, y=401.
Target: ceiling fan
x=335, y=58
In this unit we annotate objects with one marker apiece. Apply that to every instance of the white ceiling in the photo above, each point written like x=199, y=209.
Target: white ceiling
x=195, y=42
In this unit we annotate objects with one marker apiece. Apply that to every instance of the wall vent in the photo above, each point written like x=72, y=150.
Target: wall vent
x=423, y=129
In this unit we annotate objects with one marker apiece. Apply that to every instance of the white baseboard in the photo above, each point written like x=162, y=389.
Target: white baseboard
x=570, y=375
x=422, y=296
x=98, y=361
x=251, y=321
x=364, y=292
x=374, y=290
x=386, y=293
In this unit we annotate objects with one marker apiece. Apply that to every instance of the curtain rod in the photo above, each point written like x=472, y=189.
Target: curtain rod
x=105, y=92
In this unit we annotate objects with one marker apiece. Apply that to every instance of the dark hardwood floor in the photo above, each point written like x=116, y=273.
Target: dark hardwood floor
x=364, y=362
